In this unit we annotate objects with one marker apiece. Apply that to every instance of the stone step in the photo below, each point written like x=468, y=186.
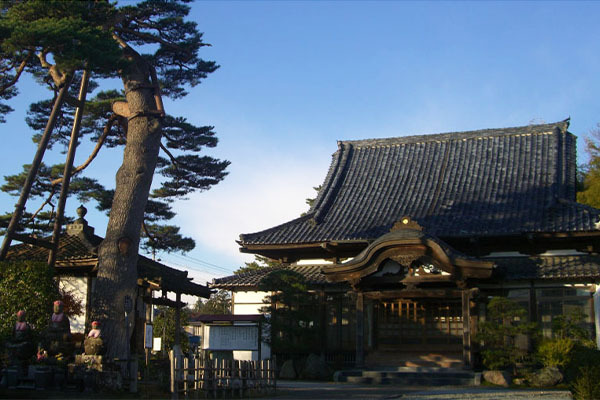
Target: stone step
x=412, y=381
x=410, y=376
x=407, y=374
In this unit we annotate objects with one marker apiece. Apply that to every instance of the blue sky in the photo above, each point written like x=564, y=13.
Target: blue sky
x=296, y=77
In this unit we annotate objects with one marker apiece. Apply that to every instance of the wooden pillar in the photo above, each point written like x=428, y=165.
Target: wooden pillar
x=323, y=322
x=532, y=304
x=360, y=330
x=466, y=318
x=148, y=321
x=178, y=319
x=259, y=344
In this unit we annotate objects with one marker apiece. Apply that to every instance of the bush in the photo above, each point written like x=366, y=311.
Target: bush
x=504, y=322
x=587, y=384
x=28, y=286
x=582, y=356
x=555, y=352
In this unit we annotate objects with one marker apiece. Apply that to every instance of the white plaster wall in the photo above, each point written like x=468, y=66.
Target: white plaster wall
x=248, y=302
x=77, y=286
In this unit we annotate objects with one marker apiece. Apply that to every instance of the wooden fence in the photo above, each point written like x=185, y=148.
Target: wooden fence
x=219, y=378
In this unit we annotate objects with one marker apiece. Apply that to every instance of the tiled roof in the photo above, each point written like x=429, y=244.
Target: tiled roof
x=576, y=267
x=312, y=274
x=70, y=249
x=571, y=267
x=74, y=250
x=491, y=182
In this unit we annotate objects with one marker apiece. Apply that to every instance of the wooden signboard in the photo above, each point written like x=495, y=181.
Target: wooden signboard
x=230, y=337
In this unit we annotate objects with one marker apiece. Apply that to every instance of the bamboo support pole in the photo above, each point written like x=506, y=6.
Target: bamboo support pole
x=35, y=166
x=64, y=190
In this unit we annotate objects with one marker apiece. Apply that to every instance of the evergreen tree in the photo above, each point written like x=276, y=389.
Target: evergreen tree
x=589, y=173
x=146, y=45
x=293, y=310
x=218, y=304
x=258, y=263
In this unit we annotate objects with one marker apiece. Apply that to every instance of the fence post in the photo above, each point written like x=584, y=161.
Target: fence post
x=185, y=376
x=172, y=364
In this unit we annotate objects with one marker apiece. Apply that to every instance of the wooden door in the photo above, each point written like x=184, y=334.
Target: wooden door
x=419, y=325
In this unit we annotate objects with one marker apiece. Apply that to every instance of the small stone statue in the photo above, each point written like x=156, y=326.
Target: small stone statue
x=93, y=343
x=59, y=331
x=21, y=346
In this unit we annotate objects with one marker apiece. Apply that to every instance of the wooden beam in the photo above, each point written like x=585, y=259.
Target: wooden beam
x=32, y=240
x=178, y=320
x=161, y=301
x=423, y=293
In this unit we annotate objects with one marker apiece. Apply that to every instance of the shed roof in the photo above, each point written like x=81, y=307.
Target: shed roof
x=492, y=182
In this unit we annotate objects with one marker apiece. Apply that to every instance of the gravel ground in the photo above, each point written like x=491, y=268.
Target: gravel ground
x=346, y=391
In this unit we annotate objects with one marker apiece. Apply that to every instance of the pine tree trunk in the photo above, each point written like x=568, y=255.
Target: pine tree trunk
x=117, y=266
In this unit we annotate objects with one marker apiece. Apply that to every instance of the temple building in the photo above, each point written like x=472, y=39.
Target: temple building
x=409, y=238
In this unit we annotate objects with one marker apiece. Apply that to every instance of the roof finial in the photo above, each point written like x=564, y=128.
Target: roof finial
x=81, y=211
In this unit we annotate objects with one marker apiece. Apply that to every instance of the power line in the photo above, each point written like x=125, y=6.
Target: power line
x=203, y=264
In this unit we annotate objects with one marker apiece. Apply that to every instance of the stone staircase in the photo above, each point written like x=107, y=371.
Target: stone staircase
x=410, y=376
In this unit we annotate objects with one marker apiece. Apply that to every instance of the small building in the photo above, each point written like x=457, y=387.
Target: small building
x=410, y=237
x=77, y=266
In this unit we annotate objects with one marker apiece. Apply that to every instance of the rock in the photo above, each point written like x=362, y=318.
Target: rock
x=287, y=370
x=315, y=368
x=546, y=377
x=501, y=378
x=519, y=381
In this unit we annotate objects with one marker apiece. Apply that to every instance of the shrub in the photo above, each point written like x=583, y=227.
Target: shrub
x=555, y=352
x=587, y=384
x=571, y=326
x=504, y=322
x=28, y=286
x=582, y=356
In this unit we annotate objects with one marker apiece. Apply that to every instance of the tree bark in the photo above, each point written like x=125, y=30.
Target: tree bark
x=118, y=253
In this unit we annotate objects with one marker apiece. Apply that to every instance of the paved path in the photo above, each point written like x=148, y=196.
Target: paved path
x=348, y=391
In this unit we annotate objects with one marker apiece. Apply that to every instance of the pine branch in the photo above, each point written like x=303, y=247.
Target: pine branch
x=47, y=201
x=18, y=73
x=147, y=232
x=94, y=153
x=58, y=77
x=154, y=38
x=171, y=156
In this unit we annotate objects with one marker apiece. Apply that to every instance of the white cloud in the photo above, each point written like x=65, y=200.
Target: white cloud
x=259, y=193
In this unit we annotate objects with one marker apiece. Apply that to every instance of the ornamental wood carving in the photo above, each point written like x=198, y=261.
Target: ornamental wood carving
x=405, y=259
x=406, y=223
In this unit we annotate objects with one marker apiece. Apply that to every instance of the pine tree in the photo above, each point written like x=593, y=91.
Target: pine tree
x=146, y=45
x=589, y=173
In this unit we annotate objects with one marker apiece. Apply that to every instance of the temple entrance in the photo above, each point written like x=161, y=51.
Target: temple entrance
x=417, y=332
x=431, y=324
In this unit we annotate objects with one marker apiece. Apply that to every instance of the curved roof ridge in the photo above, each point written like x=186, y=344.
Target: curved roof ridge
x=460, y=135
